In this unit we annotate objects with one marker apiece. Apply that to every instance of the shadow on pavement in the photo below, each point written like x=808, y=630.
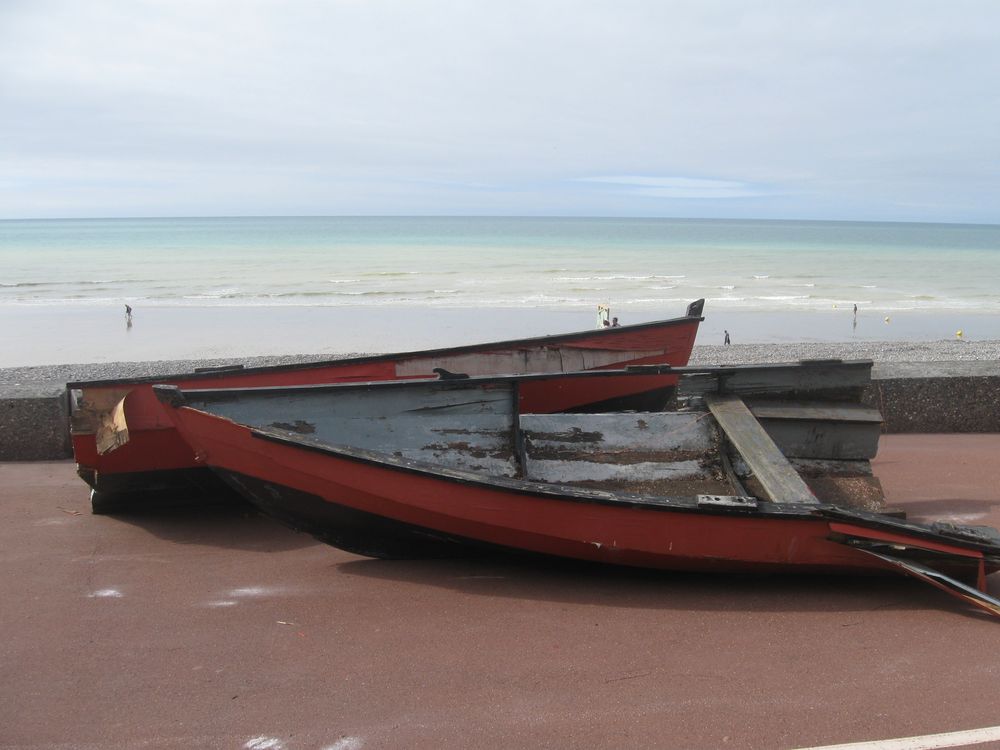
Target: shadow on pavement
x=230, y=526
x=596, y=585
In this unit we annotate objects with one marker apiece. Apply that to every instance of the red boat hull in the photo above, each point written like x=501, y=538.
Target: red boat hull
x=156, y=457
x=335, y=495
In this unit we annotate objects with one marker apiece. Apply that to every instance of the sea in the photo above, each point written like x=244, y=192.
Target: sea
x=444, y=269
x=634, y=264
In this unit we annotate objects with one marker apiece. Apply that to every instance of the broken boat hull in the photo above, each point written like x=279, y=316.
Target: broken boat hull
x=417, y=469
x=337, y=494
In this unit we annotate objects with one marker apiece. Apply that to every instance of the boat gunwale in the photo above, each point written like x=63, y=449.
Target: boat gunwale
x=218, y=394
x=463, y=349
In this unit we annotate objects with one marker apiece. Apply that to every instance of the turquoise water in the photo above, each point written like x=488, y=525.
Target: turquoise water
x=559, y=264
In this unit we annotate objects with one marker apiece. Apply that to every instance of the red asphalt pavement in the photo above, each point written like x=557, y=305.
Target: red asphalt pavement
x=218, y=628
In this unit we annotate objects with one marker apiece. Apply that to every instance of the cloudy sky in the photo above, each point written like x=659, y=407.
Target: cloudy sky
x=815, y=110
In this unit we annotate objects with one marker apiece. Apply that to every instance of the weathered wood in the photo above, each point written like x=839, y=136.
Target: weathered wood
x=814, y=410
x=475, y=426
x=809, y=429
x=803, y=377
x=806, y=467
x=618, y=448
x=817, y=467
x=519, y=362
x=113, y=431
x=587, y=433
x=780, y=482
x=607, y=474
x=309, y=405
x=480, y=443
x=823, y=440
x=466, y=426
x=847, y=483
x=89, y=410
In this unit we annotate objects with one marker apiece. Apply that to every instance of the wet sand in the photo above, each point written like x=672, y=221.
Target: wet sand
x=221, y=629
x=58, y=335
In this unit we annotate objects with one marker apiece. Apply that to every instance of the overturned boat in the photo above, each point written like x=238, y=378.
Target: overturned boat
x=156, y=461
x=757, y=468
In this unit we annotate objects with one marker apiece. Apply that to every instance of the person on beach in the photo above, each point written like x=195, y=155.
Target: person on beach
x=614, y=322
x=725, y=341
x=128, y=313
x=603, y=316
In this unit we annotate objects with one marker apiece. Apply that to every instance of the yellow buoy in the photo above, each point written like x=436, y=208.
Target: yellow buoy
x=958, y=333
x=886, y=318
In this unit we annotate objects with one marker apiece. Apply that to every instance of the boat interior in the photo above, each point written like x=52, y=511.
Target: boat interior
x=792, y=433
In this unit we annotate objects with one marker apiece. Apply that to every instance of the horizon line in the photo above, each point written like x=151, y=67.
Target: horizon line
x=498, y=216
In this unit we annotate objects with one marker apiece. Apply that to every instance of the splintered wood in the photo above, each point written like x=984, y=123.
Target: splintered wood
x=113, y=430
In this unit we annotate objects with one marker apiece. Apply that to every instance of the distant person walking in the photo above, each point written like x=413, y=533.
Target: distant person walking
x=726, y=339
x=128, y=313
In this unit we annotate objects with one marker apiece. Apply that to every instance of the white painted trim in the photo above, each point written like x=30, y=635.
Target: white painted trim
x=922, y=742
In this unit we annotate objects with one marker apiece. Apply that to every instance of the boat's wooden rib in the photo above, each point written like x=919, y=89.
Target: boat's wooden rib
x=780, y=481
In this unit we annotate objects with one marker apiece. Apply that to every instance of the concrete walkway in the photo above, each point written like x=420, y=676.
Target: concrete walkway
x=217, y=628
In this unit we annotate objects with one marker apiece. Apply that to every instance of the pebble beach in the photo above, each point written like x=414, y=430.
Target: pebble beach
x=884, y=351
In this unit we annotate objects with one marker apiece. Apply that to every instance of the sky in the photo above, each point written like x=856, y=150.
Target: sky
x=873, y=110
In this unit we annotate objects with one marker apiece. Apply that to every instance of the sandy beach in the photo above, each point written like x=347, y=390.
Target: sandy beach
x=51, y=336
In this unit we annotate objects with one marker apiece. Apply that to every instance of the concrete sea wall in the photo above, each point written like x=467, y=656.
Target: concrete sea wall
x=914, y=397
x=34, y=422
x=923, y=397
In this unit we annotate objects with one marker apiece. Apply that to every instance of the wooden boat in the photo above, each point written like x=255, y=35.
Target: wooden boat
x=759, y=468
x=155, y=460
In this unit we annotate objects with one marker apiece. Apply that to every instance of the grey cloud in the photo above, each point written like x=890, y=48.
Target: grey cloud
x=785, y=109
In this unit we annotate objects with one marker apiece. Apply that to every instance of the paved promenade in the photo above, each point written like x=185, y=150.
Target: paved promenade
x=217, y=628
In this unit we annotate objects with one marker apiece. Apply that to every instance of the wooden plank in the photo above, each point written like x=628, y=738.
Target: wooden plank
x=614, y=450
x=462, y=424
x=814, y=467
x=797, y=438
x=814, y=410
x=520, y=362
x=448, y=397
x=618, y=433
x=816, y=429
x=803, y=377
x=780, y=481
x=479, y=443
